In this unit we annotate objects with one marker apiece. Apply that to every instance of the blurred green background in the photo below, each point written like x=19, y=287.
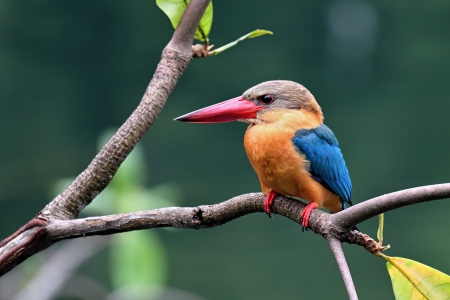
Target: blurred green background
x=69, y=70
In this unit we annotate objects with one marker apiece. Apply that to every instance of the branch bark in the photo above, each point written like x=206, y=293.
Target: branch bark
x=207, y=216
x=373, y=207
x=31, y=239
x=102, y=169
x=175, y=58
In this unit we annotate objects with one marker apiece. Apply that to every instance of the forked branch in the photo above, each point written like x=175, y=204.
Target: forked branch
x=175, y=58
x=56, y=221
x=31, y=238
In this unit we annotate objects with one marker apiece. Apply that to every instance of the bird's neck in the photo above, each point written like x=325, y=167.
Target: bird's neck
x=294, y=118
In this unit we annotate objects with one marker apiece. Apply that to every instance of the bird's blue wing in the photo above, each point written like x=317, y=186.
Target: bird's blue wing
x=327, y=164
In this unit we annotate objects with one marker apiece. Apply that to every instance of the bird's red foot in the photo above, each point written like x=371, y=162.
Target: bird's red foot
x=269, y=201
x=306, y=213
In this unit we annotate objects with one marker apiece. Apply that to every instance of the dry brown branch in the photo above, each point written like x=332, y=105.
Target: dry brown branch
x=33, y=236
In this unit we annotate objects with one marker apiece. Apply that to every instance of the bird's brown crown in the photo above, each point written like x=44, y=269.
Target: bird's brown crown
x=278, y=94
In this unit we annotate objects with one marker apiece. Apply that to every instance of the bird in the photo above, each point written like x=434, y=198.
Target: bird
x=290, y=148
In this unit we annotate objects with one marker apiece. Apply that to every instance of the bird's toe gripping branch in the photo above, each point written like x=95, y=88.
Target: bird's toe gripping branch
x=269, y=201
x=306, y=213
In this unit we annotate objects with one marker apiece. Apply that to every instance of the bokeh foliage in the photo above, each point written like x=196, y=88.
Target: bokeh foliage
x=379, y=69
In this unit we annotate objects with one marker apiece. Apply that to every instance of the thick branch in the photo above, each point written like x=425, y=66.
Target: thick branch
x=207, y=216
x=214, y=215
x=101, y=170
x=375, y=206
x=204, y=216
x=99, y=173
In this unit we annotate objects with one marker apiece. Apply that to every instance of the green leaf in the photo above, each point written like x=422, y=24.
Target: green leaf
x=413, y=280
x=174, y=9
x=138, y=260
x=253, y=34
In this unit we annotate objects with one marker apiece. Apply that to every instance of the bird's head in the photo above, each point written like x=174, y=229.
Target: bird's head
x=262, y=98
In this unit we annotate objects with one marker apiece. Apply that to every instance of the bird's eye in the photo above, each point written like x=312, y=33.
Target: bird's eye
x=266, y=99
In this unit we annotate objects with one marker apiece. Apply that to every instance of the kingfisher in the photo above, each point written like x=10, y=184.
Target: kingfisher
x=290, y=148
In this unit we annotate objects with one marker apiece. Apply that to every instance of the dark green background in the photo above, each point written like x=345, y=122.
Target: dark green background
x=71, y=69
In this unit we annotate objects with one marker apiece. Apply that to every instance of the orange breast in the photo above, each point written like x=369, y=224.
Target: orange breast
x=273, y=156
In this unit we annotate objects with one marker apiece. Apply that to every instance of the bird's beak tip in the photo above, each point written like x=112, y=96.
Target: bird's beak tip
x=185, y=118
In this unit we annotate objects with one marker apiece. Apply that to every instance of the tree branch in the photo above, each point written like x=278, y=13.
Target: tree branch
x=336, y=248
x=204, y=216
x=375, y=206
x=175, y=58
x=67, y=205
x=56, y=221
x=101, y=170
x=207, y=216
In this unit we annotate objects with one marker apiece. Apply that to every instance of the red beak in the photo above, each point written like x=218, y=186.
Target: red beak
x=227, y=111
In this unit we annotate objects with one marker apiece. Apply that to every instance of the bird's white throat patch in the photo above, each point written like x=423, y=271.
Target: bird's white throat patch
x=251, y=121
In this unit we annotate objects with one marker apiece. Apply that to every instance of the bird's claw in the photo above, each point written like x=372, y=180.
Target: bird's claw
x=267, y=208
x=268, y=202
x=304, y=227
x=306, y=213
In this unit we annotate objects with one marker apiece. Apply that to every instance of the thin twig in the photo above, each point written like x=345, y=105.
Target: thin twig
x=184, y=34
x=336, y=248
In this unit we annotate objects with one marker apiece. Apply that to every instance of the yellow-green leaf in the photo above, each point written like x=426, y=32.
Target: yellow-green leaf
x=253, y=34
x=412, y=280
x=380, y=228
x=174, y=9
